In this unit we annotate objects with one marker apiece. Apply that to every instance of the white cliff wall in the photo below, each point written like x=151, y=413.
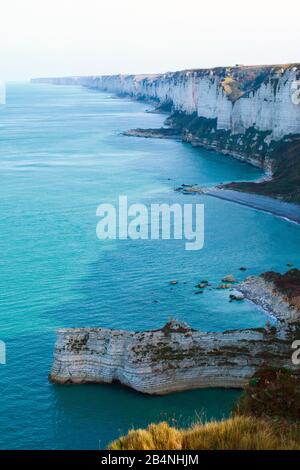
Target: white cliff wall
x=253, y=105
x=270, y=108
x=267, y=108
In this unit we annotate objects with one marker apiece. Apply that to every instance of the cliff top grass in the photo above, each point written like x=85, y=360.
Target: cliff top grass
x=237, y=433
x=266, y=417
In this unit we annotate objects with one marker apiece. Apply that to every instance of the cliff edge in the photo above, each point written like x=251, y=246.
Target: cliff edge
x=170, y=359
x=177, y=357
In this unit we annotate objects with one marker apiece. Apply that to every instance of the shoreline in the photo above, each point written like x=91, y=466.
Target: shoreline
x=285, y=210
x=288, y=211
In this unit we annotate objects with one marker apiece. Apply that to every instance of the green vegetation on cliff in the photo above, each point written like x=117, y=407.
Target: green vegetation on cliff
x=272, y=394
x=285, y=183
x=199, y=131
x=253, y=145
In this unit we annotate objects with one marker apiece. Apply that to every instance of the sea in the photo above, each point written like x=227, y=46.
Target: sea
x=62, y=154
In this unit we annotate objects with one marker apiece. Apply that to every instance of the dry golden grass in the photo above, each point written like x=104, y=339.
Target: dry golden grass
x=156, y=437
x=237, y=433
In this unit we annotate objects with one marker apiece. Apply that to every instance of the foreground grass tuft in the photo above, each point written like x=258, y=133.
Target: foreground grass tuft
x=155, y=437
x=237, y=433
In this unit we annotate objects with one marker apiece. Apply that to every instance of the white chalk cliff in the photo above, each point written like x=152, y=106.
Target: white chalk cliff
x=242, y=111
x=268, y=106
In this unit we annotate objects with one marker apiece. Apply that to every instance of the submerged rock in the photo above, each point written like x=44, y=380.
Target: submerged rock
x=161, y=133
x=201, y=285
x=236, y=295
x=189, y=189
x=229, y=278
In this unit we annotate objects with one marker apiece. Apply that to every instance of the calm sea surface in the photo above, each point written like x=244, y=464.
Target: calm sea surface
x=61, y=155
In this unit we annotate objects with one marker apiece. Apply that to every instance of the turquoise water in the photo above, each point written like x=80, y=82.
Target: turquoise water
x=61, y=155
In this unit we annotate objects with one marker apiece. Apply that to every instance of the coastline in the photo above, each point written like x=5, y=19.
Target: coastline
x=231, y=110
x=179, y=129
x=175, y=357
x=288, y=211
x=285, y=210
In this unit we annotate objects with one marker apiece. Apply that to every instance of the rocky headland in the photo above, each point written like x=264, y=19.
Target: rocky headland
x=278, y=294
x=177, y=357
x=161, y=133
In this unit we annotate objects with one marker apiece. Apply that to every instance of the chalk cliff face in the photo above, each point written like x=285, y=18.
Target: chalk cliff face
x=241, y=110
x=171, y=359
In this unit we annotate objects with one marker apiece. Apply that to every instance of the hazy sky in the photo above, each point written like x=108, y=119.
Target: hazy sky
x=82, y=37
